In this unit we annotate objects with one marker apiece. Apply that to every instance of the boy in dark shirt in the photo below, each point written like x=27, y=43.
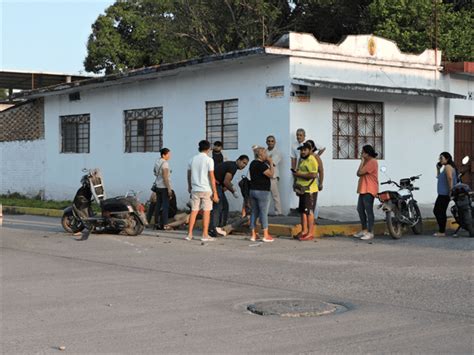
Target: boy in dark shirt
x=217, y=154
x=224, y=174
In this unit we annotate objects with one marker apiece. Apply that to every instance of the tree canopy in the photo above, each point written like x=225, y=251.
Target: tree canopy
x=137, y=33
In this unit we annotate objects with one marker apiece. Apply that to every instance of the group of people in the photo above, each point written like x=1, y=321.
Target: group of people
x=210, y=176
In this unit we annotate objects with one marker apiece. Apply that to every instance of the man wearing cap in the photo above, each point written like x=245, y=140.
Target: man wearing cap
x=306, y=177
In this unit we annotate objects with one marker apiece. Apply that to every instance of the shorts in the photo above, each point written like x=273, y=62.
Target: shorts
x=307, y=203
x=201, y=201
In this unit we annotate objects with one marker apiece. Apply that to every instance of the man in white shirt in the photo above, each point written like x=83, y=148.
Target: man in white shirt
x=202, y=187
x=276, y=158
x=300, y=139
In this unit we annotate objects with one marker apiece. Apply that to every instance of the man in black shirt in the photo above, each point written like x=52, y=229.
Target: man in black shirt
x=224, y=174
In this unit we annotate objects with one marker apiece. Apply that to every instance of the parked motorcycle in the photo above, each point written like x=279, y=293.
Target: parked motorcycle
x=463, y=197
x=400, y=207
x=122, y=213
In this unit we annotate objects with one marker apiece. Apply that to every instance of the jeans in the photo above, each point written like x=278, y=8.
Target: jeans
x=163, y=204
x=365, y=208
x=260, y=202
x=220, y=210
x=441, y=205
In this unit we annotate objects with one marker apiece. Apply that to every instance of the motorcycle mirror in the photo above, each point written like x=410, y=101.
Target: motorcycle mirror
x=383, y=169
x=465, y=160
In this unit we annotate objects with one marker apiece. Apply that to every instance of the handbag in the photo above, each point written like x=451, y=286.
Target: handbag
x=300, y=189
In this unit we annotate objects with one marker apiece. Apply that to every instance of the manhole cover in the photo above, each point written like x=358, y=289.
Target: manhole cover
x=295, y=308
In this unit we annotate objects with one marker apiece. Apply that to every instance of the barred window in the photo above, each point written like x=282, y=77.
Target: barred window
x=144, y=130
x=355, y=124
x=222, y=122
x=75, y=133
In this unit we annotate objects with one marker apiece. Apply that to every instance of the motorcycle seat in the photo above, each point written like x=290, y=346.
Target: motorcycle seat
x=115, y=204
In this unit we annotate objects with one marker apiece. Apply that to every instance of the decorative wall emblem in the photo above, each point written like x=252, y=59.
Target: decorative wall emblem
x=372, y=46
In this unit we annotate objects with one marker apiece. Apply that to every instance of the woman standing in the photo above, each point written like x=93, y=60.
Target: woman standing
x=367, y=189
x=261, y=171
x=446, y=175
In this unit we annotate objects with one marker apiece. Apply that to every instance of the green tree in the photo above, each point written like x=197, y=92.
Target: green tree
x=331, y=20
x=138, y=33
x=133, y=34
x=419, y=24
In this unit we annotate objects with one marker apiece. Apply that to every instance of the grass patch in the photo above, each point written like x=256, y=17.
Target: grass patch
x=19, y=200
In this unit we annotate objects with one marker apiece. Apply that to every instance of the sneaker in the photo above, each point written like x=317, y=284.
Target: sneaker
x=360, y=234
x=207, y=239
x=188, y=238
x=254, y=239
x=221, y=231
x=367, y=236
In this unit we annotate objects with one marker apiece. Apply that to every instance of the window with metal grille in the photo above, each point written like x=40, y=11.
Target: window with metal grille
x=75, y=133
x=222, y=123
x=355, y=124
x=144, y=130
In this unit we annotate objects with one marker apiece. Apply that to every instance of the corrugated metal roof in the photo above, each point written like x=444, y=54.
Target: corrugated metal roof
x=135, y=75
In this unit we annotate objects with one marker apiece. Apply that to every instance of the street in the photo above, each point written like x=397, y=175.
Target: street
x=161, y=294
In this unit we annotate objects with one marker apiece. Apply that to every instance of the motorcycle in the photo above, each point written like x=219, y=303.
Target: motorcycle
x=400, y=207
x=121, y=213
x=463, y=209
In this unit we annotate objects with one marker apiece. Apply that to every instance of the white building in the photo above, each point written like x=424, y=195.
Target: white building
x=363, y=90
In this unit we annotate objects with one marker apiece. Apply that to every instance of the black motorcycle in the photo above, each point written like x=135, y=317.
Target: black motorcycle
x=463, y=209
x=119, y=214
x=400, y=207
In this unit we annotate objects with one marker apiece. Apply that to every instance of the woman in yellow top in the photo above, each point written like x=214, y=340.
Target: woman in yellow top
x=306, y=176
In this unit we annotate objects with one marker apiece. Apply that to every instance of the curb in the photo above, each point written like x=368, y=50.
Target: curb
x=32, y=211
x=284, y=230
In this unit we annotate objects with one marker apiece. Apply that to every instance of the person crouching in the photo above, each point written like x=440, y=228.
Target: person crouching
x=306, y=187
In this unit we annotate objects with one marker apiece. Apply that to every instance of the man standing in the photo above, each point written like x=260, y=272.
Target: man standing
x=224, y=173
x=300, y=139
x=202, y=187
x=163, y=190
x=276, y=158
x=217, y=153
x=295, y=153
x=306, y=179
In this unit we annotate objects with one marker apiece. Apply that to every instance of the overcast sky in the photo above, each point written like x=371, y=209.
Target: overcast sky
x=46, y=35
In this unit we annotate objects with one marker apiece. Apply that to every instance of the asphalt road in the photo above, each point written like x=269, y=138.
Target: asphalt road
x=161, y=294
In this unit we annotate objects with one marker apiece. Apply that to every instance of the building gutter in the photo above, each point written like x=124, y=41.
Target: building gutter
x=375, y=88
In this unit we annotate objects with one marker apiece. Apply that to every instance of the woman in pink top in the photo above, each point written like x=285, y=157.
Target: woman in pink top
x=367, y=189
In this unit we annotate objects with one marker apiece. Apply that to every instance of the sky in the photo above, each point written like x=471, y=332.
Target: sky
x=47, y=35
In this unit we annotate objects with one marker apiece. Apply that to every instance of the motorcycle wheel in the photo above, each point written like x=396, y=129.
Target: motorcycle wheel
x=394, y=227
x=417, y=228
x=467, y=222
x=136, y=227
x=70, y=224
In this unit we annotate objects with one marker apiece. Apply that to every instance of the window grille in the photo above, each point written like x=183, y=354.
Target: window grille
x=75, y=133
x=222, y=123
x=144, y=130
x=355, y=124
